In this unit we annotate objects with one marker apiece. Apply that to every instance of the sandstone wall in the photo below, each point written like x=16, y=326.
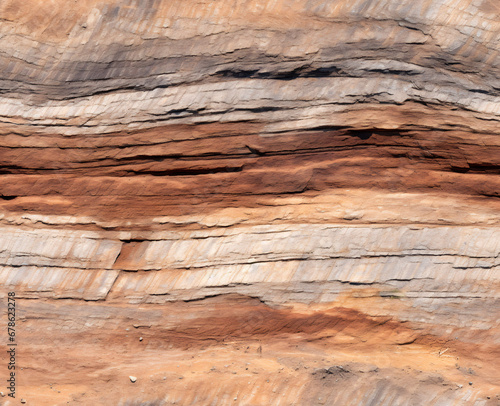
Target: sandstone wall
x=252, y=202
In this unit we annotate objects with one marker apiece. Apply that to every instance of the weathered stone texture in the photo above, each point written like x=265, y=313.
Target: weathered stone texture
x=280, y=202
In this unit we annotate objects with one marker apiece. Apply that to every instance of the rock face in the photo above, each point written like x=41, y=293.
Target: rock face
x=252, y=202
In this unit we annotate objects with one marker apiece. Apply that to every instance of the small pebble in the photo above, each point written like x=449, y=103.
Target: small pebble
x=132, y=379
x=470, y=383
x=23, y=400
x=140, y=338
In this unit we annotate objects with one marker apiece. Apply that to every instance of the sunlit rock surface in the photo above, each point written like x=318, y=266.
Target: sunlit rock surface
x=251, y=202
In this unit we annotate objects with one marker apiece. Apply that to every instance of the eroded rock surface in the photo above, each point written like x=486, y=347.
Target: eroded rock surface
x=252, y=202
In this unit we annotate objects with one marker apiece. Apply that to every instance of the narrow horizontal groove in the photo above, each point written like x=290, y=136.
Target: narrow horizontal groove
x=7, y=197
x=491, y=169
x=190, y=172
x=307, y=71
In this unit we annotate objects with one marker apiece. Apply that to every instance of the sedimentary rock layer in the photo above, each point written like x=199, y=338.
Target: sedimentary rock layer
x=252, y=202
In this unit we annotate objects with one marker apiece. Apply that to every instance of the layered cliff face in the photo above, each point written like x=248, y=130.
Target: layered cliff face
x=251, y=202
